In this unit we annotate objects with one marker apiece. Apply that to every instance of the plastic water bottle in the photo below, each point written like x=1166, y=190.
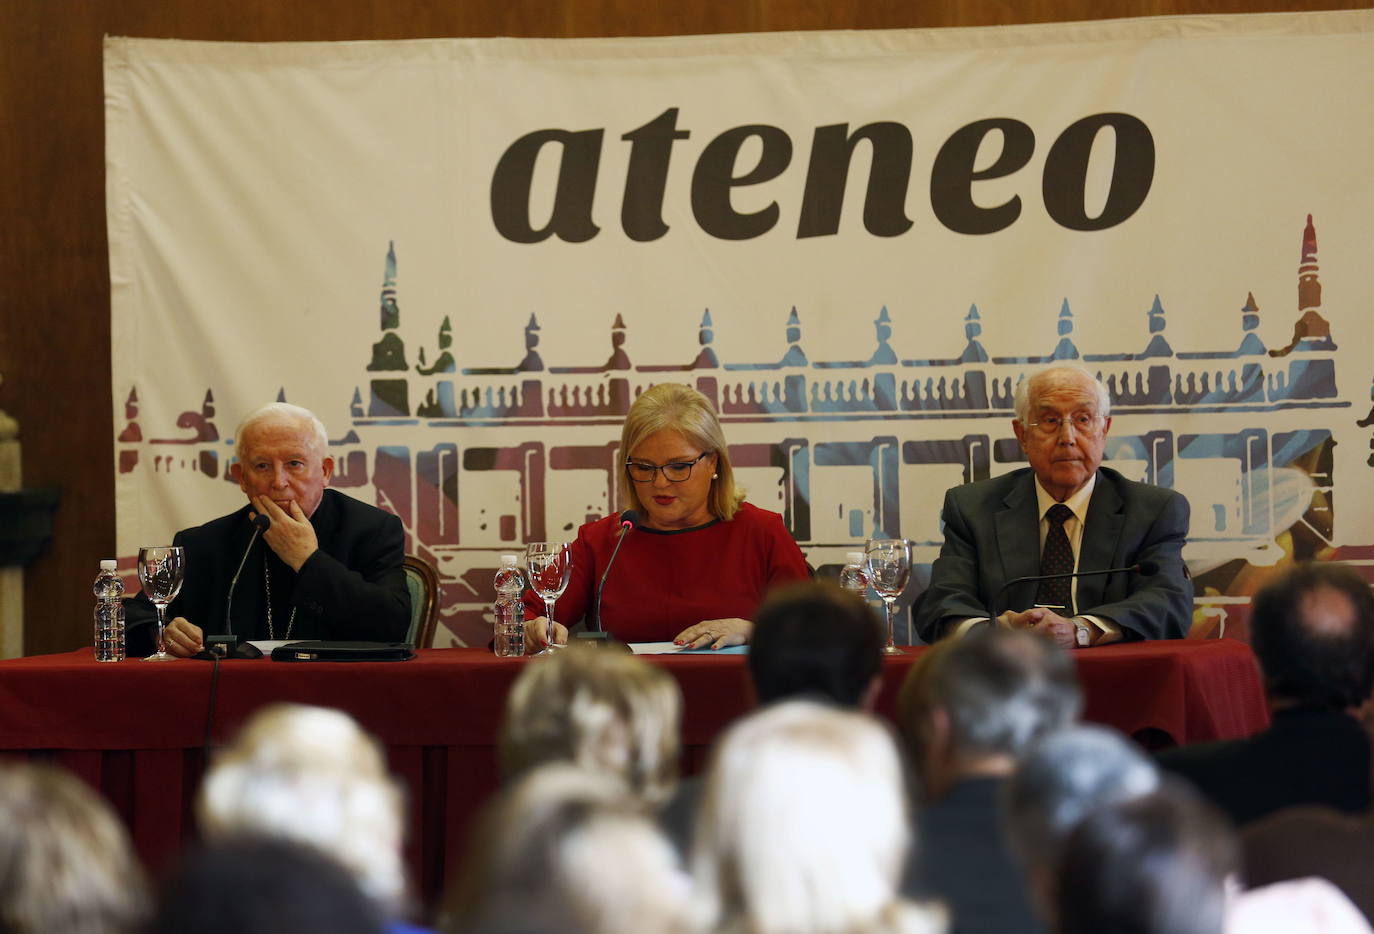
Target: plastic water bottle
x=854, y=574
x=109, y=614
x=510, y=608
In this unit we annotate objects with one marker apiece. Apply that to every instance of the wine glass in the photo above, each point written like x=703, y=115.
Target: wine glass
x=161, y=569
x=549, y=564
x=889, y=569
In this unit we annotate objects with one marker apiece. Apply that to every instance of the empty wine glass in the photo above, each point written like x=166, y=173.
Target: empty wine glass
x=161, y=569
x=889, y=569
x=548, y=564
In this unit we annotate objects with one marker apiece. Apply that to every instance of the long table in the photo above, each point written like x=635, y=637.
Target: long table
x=137, y=731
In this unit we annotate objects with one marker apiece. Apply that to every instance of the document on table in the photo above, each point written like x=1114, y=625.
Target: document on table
x=672, y=648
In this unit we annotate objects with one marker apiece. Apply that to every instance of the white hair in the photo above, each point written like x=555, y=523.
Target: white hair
x=1022, y=402
x=567, y=849
x=275, y=411
x=313, y=776
x=804, y=826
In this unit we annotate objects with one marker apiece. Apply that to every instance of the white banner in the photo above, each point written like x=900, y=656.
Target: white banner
x=468, y=257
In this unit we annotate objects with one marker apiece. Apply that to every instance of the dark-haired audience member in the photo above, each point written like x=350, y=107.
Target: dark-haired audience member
x=1059, y=781
x=1153, y=864
x=1312, y=630
x=813, y=640
x=967, y=711
x=66, y=864
x=256, y=885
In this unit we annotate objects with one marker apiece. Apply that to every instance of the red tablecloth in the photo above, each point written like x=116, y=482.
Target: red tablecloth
x=136, y=730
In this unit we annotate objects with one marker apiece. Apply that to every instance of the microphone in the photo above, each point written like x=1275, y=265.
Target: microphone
x=260, y=524
x=1146, y=568
x=629, y=519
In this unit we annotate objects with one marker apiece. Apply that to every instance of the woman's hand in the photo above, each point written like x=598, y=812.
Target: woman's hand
x=537, y=633
x=717, y=633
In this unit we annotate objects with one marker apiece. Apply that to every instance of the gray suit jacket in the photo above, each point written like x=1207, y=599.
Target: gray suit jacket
x=992, y=535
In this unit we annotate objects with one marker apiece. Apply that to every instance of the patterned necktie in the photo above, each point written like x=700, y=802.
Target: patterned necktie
x=1057, y=558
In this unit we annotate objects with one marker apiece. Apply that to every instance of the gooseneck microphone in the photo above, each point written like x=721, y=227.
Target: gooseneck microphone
x=629, y=519
x=1146, y=568
x=260, y=524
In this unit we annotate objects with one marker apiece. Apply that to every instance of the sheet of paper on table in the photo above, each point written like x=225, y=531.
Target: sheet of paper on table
x=670, y=648
x=265, y=646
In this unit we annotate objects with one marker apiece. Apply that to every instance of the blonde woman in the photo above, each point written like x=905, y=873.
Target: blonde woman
x=313, y=776
x=606, y=711
x=803, y=828
x=66, y=864
x=698, y=559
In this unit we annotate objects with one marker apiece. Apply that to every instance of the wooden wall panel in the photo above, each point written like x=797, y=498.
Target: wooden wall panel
x=54, y=320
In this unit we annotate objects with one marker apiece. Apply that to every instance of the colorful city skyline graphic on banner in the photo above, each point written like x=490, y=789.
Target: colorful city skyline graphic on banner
x=479, y=457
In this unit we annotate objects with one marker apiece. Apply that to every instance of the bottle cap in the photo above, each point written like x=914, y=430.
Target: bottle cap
x=855, y=557
x=108, y=564
x=509, y=561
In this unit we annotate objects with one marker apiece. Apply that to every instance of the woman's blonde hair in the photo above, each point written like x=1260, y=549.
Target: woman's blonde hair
x=602, y=709
x=803, y=827
x=675, y=407
x=66, y=864
x=312, y=775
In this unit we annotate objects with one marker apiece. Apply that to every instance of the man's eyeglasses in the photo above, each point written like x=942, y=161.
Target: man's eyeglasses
x=676, y=473
x=1084, y=423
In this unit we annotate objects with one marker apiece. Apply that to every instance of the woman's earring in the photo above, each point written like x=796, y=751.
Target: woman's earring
x=715, y=476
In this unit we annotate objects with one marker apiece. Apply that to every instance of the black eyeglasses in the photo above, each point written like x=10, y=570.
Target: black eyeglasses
x=674, y=473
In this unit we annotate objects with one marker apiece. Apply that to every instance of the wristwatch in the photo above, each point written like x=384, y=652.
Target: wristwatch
x=1082, y=633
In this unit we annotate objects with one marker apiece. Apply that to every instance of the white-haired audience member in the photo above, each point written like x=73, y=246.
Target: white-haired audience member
x=312, y=775
x=571, y=851
x=803, y=827
x=66, y=865
x=599, y=708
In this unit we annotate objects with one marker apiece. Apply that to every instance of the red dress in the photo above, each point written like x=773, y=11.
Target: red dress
x=663, y=582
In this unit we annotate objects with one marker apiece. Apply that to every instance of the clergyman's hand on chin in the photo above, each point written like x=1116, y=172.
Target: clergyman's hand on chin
x=291, y=536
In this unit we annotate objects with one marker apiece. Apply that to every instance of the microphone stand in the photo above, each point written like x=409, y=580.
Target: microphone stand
x=1143, y=568
x=594, y=632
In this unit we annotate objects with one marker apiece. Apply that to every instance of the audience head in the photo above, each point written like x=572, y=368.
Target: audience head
x=311, y=775
x=680, y=409
x=1154, y=864
x=66, y=865
x=606, y=711
x=566, y=850
x=803, y=823
x=815, y=639
x=1312, y=629
x=254, y=885
x=976, y=703
x=1060, y=780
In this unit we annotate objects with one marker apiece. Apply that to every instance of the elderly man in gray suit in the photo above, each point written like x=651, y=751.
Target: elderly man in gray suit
x=1064, y=513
